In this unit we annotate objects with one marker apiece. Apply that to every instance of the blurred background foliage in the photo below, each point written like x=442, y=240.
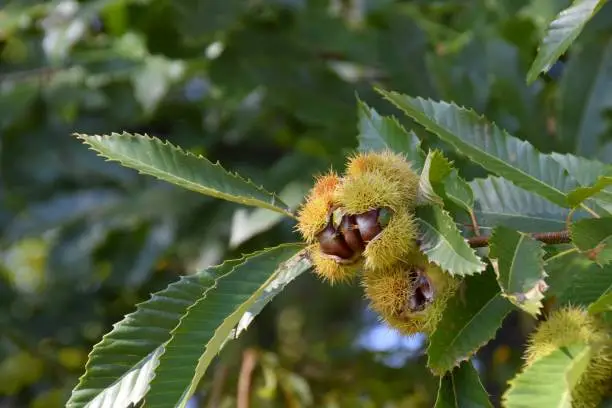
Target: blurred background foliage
x=268, y=88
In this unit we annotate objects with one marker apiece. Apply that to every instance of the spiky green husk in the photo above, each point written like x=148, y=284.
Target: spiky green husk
x=571, y=325
x=393, y=167
x=394, y=244
x=330, y=270
x=313, y=215
x=358, y=194
x=389, y=289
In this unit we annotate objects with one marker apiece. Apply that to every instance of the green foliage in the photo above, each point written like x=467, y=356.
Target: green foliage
x=267, y=88
x=579, y=195
x=208, y=323
x=583, y=98
x=594, y=236
x=603, y=304
x=125, y=358
x=444, y=245
x=462, y=388
x=151, y=156
x=478, y=312
x=435, y=170
x=378, y=133
x=489, y=146
x=499, y=202
x=577, y=288
x=561, y=369
x=520, y=268
x=561, y=34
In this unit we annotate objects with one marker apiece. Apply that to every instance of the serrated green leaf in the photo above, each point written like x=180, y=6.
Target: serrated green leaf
x=440, y=182
x=443, y=244
x=121, y=365
x=213, y=319
x=594, y=237
x=561, y=370
x=462, y=388
x=562, y=32
x=577, y=289
x=151, y=156
x=580, y=194
x=601, y=305
x=473, y=316
x=587, y=172
x=584, y=171
x=489, y=146
x=459, y=191
x=435, y=170
x=499, y=202
x=584, y=97
x=377, y=133
x=520, y=268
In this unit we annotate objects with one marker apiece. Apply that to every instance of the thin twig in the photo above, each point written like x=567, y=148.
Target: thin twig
x=216, y=391
x=249, y=360
x=475, y=224
x=568, y=219
x=560, y=237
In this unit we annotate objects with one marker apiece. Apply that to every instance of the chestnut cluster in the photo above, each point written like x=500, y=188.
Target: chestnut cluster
x=345, y=236
x=362, y=223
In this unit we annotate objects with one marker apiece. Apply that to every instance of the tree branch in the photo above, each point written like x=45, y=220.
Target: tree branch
x=249, y=360
x=216, y=391
x=560, y=237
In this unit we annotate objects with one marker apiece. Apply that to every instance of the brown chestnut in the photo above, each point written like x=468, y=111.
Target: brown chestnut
x=368, y=225
x=332, y=243
x=351, y=234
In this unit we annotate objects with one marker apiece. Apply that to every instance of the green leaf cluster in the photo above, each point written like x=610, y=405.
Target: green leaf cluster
x=514, y=199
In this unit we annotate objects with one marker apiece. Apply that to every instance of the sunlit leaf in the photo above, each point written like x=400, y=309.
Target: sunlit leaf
x=499, y=202
x=210, y=321
x=584, y=171
x=549, y=381
x=580, y=194
x=435, y=171
x=562, y=32
x=603, y=304
x=121, y=365
x=489, y=146
x=443, y=244
x=520, y=268
x=160, y=159
x=472, y=317
x=378, y=133
x=459, y=191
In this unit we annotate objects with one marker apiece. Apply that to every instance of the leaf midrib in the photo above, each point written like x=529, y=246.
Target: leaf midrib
x=516, y=169
x=469, y=322
x=516, y=251
x=448, y=243
x=515, y=215
x=455, y=141
x=198, y=187
x=208, y=351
